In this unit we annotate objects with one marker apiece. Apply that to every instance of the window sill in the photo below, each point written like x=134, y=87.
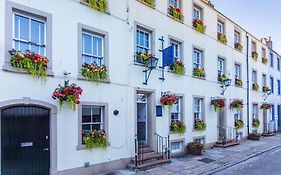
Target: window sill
x=9, y=68
x=146, y=4
x=84, y=3
x=83, y=147
x=222, y=42
x=201, y=78
x=194, y=130
x=238, y=86
x=198, y=31
x=175, y=133
x=81, y=77
x=175, y=19
x=139, y=64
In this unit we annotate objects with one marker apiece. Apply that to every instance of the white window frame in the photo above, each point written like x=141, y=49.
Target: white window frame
x=177, y=49
x=254, y=76
x=264, y=80
x=220, y=27
x=101, y=123
x=178, y=111
x=237, y=71
x=220, y=67
x=197, y=111
x=254, y=46
x=237, y=115
x=197, y=58
x=255, y=111
x=236, y=37
x=174, y=3
x=148, y=48
x=263, y=53
x=197, y=13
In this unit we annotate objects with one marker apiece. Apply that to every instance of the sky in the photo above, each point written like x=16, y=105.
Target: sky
x=261, y=18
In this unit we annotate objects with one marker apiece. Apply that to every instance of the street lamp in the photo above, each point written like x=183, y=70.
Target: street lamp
x=151, y=64
x=225, y=84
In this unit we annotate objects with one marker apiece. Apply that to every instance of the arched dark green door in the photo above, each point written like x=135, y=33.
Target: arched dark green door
x=25, y=147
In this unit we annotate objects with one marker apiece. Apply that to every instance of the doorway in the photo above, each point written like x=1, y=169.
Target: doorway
x=142, y=119
x=221, y=125
x=265, y=121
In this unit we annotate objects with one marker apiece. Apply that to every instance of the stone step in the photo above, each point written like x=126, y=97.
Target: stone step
x=148, y=164
x=149, y=156
x=145, y=149
x=226, y=144
x=268, y=134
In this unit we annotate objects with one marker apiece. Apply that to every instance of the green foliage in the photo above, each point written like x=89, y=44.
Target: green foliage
x=94, y=139
x=199, y=72
x=150, y=3
x=199, y=125
x=222, y=38
x=239, y=124
x=256, y=123
x=94, y=72
x=178, y=68
x=99, y=5
x=178, y=127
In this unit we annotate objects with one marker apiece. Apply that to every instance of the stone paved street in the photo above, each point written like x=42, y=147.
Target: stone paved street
x=221, y=158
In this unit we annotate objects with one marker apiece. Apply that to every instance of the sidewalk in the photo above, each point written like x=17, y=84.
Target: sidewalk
x=217, y=158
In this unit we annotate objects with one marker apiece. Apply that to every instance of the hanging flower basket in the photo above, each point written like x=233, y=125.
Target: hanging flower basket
x=222, y=38
x=265, y=88
x=178, y=127
x=176, y=13
x=142, y=57
x=265, y=106
x=94, y=72
x=264, y=60
x=236, y=104
x=255, y=55
x=218, y=104
x=199, y=25
x=68, y=93
x=94, y=139
x=178, y=67
x=168, y=100
x=256, y=122
x=255, y=87
x=238, y=82
x=199, y=72
x=199, y=125
x=99, y=5
x=33, y=63
x=150, y=3
x=195, y=148
x=238, y=46
x=239, y=124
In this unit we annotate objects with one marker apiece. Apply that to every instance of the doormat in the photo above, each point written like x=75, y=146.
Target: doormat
x=206, y=160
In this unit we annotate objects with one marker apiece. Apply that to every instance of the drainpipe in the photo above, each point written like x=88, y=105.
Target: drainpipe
x=248, y=85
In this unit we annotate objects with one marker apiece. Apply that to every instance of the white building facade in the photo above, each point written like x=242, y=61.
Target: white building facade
x=70, y=33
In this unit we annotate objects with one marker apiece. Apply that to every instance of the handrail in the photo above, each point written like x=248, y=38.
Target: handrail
x=229, y=133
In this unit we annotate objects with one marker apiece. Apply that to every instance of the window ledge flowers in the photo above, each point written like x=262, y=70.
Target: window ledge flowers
x=195, y=148
x=33, y=63
x=178, y=127
x=178, y=67
x=265, y=106
x=199, y=25
x=199, y=72
x=68, y=93
x=94, y=139
x=199, y=125
x=99, y=5
x=176, y=13
x=238, y=82
x=264, y=60
x=149, y=3
x=222, y=38
x=94, y=72
x=238, y=46
x=141, y=57
x=255, y=87
x=256, y=122
x=265, y=88
x=218, y=104
x=236, y=104
x=239, y=124
x=255, y=55
x=168, y=100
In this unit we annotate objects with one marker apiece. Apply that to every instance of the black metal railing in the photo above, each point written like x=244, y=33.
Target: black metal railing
x=139, y=151
x=163, y=146
x=227, y=133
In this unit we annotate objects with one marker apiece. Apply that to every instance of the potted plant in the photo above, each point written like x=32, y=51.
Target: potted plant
x=94, y=139
x=199, y=25
x=99, y=5
x=264, y=60
x=178, y=127
x=218, y=104
x=199, y=125
x=265, y=88
x=255, y=55
x=222, y=38
x=238, y=46
x=236, y=104
x=150, y=3
x=256, y=123
x=199, y=72
x=33, y=63
x=176, y=13
x=94, y=72
x=142, y=57
x=254, y=136
x=178, y=67
x=222, y=78
x=195, y=148
x=68, y=93
x=265, y=106
x=239, y=124
x=238, y=82
x=168, y=100
x=255, y=87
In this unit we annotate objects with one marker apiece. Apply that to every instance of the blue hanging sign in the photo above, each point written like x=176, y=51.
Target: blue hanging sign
x=168, y=56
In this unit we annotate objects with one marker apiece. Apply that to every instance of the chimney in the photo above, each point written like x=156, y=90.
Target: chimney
x=269, y=42
x=209, y=3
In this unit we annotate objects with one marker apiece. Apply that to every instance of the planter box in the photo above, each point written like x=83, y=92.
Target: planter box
x=253, y=137
x=194, y=151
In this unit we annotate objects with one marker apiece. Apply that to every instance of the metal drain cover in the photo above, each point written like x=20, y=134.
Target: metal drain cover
x=206, y=160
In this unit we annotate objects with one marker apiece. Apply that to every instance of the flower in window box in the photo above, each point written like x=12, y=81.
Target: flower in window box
x=238, y=82
x=168, y=100
x=195, y=148
x=68, y=93
x=239, y=124
x=256, y=122
x=142, y=57
x=199, y=72
x=255, y=87
x=178, y=67
x=265, y=106
x=33, y=63
x=218, y=104
x=176, y=13
x=238, y=46
x=94, y=72
x=199, y=125
x=94, y=139
x=178, y=127
x=150, y=3
x=265, y=88
x=222, y=78
x=222, y=38
x=199, y=25
x=255, y=55
x=264, y=60
x=236, y=104
x=99, y=5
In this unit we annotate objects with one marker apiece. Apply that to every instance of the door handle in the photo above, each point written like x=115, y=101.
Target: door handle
x=46, y=149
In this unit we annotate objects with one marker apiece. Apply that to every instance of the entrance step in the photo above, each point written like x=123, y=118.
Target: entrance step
x=145, y=149
x=268, y=134
x=227, y=143
x=148, y=164
x=149, y=156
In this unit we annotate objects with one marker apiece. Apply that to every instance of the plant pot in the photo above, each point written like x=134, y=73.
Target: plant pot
x=254, y=137
x=195, y=151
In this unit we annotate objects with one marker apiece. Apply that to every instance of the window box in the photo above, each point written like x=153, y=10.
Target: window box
x=239, y=124
x=149, y=3
x=199, y=25
x=99, y=5
x=33, y=63
x=176, y=13
x=255, y=55
x=168, y=100
x=195, y=148
x=94, y=139
x=222, y=38
x=256, y=123
x=238, y=47
x=178, y=127
x=265, y=106
x=178, y=67
x=94, y=72
x=199, y=72
x=238, y=82
x=255, y=87
x=199, y=125
x=236, y=104
x=218, y=104
x=264, y=60
x=265, y=88
x=141, y=57
x=254, y=136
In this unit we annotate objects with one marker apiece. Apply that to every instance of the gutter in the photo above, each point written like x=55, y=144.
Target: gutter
x=248, y=85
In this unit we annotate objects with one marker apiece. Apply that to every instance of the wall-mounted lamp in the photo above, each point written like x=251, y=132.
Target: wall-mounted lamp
x=152, y=64
x=225, y=83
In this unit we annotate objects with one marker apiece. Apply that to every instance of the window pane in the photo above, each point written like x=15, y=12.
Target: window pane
x=99, y=40
x=24, y=28
x=42, y=33
x=16, y=27
x=34, y=31
x=16, y=45
x=87, y=59
x=95, y=46
x=23, y=47
x=87, y=44
x=42, y=51
x=96, y=127
x=86, y=127
x=86, y=114
x=34, y=49
x=96, y=114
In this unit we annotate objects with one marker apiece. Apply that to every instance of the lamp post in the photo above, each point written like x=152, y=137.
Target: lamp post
x=225, y=84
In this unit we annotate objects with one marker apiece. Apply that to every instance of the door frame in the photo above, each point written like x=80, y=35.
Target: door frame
x=146, y=121
x=151, y=117
x=27, y=101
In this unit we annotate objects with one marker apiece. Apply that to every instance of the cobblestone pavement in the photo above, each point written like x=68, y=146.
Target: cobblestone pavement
x=220, y=157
